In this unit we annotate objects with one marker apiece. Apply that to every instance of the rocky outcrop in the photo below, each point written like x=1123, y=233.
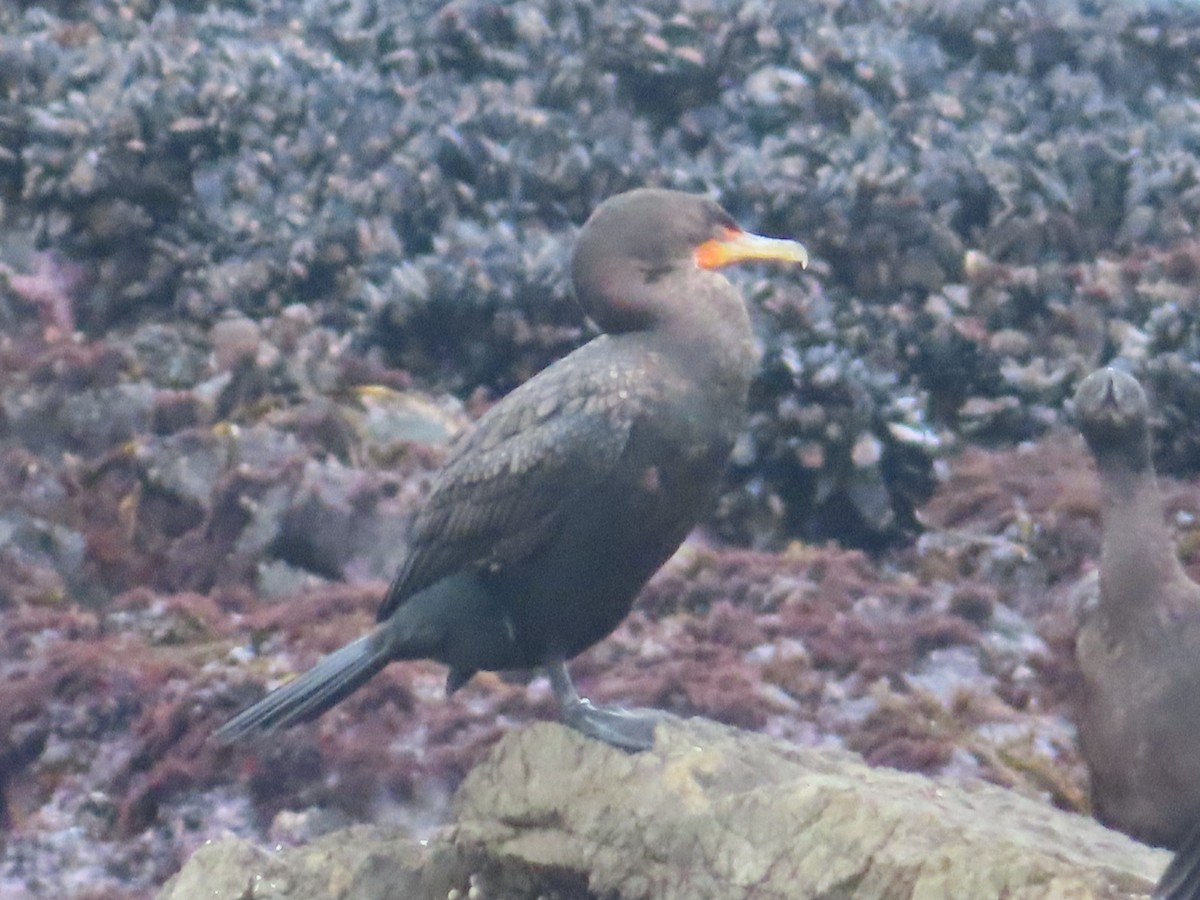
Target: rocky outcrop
x=361, y=862
x=710, y=812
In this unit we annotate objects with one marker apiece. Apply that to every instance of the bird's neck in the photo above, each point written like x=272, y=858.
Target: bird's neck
x=1137, y=558
x=695, y=318
x=713, y=341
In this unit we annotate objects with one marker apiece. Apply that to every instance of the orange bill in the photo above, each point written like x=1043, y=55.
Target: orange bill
x=736, y=246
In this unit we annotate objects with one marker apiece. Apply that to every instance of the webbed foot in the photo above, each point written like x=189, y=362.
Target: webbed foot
x=629, y=729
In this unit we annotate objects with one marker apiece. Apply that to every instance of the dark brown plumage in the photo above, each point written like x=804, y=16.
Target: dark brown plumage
x=548, y=518
x=1138, y=644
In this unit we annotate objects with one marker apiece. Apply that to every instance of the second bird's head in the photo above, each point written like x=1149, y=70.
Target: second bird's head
x=1113, y=413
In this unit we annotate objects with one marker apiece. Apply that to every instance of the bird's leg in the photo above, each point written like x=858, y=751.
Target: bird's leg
x=629, y=729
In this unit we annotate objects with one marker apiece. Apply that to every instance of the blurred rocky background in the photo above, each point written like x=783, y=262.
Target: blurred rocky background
x=261, y=260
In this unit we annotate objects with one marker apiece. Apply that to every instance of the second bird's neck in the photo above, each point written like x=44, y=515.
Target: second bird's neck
x=1138, y=553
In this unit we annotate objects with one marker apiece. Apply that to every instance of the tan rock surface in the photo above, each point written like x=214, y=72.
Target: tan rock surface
x=360, y=863
x=710, y=812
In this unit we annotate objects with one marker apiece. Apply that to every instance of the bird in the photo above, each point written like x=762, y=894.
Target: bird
x=1181, y=880
x=548, y=517
x=1138, y=639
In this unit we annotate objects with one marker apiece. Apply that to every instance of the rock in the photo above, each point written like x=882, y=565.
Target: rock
x=709, y=812
x=356, y=863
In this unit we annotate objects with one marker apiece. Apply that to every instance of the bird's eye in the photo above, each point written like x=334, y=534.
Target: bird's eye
x=723, y=221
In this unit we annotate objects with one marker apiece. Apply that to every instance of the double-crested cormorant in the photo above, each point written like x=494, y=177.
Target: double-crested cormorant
x=548, y=518
x=1138, y=643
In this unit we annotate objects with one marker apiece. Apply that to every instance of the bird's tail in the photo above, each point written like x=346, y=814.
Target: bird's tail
x=307, y=696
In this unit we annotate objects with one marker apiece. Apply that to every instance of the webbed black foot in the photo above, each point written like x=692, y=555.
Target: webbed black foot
x=629, y=729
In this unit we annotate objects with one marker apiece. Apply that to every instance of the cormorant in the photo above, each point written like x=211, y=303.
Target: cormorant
x=1138, y=645
x=549, y=517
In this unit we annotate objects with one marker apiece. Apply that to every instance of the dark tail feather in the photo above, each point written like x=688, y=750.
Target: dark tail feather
x=307, y=696
x=1181, y=881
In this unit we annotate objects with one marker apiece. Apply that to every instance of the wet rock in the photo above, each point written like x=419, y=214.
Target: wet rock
x=708, y=812
x=234, y=338
x=42, y=562
x=363, y=863
x=390, y=423
x=717, y=776
x=89, y=422
x=167, y=356
x=818, y=459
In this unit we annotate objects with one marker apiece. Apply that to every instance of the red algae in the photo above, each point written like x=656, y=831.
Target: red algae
x=963, y=666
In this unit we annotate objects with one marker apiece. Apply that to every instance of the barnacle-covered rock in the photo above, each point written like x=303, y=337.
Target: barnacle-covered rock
x=832, y=449
x=412, y=173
